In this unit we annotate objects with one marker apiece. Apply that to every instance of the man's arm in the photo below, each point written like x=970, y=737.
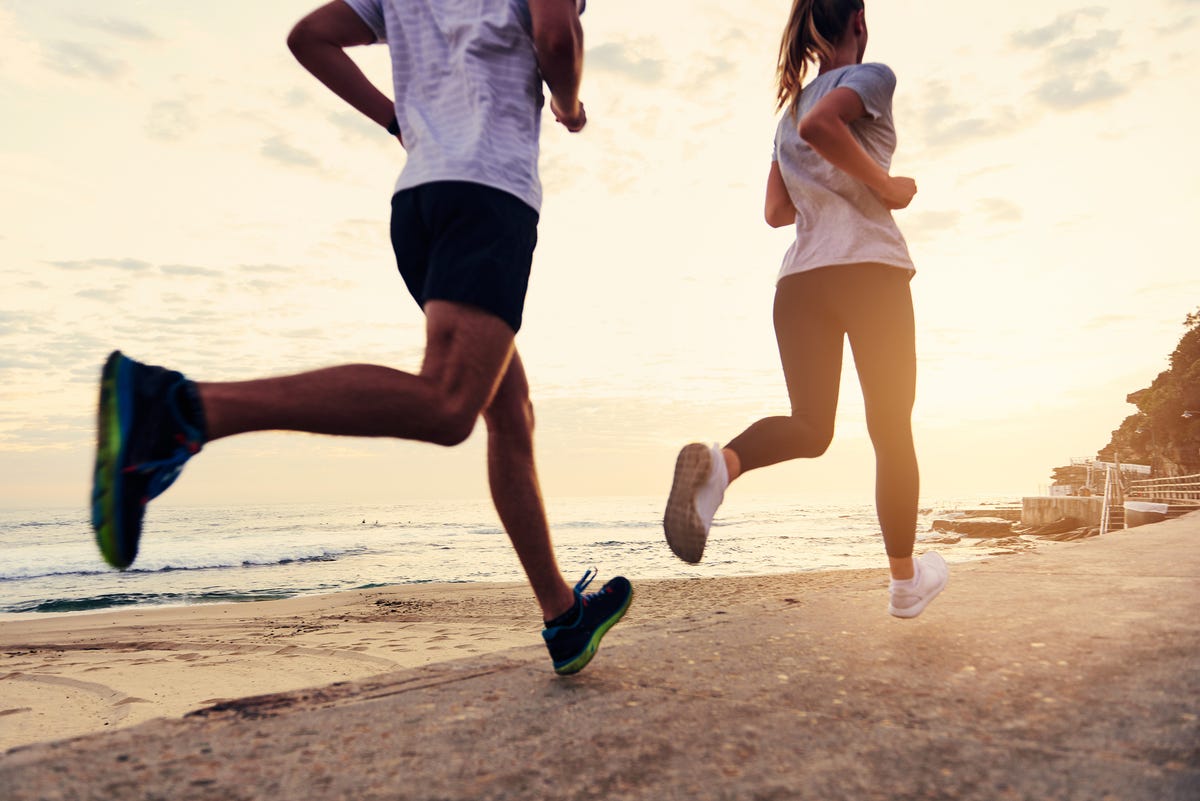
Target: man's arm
x=558, y=38
x=779, y=210
x=319, y=42
x=826, y=127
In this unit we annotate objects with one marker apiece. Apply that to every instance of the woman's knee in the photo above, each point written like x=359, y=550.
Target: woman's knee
x=810, y=435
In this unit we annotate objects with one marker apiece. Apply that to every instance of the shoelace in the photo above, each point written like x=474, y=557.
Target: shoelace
x=582, y=585
x=164, y=471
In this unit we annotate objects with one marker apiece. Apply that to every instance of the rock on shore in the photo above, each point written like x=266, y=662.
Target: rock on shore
x=981, y=527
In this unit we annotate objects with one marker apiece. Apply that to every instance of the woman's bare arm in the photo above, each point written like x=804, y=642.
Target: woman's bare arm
x=826, y=128
x=779, y=210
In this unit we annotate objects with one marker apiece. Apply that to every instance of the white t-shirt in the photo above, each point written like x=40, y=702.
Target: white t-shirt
x=468, y=90
x=838, y=219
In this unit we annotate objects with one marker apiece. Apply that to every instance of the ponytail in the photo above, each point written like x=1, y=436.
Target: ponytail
x=813, y=29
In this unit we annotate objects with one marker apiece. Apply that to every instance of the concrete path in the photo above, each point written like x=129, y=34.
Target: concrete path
x=1070, y=673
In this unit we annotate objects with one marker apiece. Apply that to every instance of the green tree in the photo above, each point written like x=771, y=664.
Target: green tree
x=1165, y=430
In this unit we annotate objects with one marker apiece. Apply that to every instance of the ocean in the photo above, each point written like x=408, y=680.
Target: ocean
x=194, y=554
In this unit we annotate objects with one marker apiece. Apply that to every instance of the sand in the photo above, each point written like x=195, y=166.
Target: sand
x=67, y=675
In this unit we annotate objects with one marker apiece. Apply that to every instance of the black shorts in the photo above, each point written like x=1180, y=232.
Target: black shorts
x=466, y=243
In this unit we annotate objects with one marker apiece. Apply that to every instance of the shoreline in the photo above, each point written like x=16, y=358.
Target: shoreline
x=69, y=674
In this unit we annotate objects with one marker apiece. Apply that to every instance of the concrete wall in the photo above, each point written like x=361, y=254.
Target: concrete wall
x=1046, y=509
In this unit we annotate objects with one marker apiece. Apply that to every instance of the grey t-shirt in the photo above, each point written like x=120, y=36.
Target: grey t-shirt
x=838, y=219
x=468, y=90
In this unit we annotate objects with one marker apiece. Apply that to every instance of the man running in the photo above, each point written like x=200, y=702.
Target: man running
x=467, y=108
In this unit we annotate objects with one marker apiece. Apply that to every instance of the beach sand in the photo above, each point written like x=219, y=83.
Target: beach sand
x=1063, y=674
x=66, y=675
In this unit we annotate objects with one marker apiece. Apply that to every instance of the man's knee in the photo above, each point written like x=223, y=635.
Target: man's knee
x=454, y=424
x=510, y=415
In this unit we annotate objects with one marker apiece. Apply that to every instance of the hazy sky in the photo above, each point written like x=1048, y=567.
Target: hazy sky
x=177, y=187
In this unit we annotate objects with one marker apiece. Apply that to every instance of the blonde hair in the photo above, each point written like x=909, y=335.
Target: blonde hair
x=813, y=29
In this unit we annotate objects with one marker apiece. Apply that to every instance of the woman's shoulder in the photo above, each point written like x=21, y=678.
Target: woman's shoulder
x=870, y=70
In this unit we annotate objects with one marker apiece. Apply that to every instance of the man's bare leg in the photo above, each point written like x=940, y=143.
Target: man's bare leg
x=512, y=476
x=469, y=366
x=467, y=352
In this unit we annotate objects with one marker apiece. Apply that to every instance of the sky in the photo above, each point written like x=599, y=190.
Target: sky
x=177, y=187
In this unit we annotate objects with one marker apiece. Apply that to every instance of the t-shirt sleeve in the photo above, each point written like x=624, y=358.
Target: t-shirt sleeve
x=874, y=84
x=371, y=12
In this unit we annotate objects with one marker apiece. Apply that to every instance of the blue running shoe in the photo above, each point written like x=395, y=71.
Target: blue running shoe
x=150, y=422
x=572, y=645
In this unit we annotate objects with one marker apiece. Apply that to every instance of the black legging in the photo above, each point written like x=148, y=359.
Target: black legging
x=814, y=311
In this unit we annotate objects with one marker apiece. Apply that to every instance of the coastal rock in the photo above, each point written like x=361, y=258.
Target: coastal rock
x=1075, y=534
x=1061, y=526
x=976, y=526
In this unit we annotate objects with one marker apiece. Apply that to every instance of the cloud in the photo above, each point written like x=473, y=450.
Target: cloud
x=1178, y=26
x=1083, y=52
x=278, y=149
x=712, y=69
x=998, y=209
x=122, y=28
x=618, y=58
x=170, y=120
x=1075, y=63
x=923, y=224
x=296, y=97
x=81, y=60
x=943, y=121
x=267, y=269
x=16, y=322
x=110, y=295
x=129, y=265
x=190, y=270
x=1063, y=25
x=1105, y=321
x=357, y=126
x=1071, y=92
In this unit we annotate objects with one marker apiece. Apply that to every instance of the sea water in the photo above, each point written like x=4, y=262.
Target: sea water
x=49, y=562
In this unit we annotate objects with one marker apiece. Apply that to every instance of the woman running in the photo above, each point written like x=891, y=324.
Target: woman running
x=846, y=275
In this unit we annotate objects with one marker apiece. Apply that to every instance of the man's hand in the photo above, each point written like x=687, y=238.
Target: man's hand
x=897, y=192
x=558, y=40
x=573, y=122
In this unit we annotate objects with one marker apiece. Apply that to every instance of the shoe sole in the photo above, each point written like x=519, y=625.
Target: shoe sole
x=580, y=662
x=681, y=523
x=919, y=607
x=107, y=481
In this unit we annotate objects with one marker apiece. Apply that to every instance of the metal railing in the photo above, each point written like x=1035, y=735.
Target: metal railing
x=1177, y=489
x=1111, y=487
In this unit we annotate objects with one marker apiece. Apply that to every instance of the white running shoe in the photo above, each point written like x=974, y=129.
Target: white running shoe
x=698, y=489
x=930, y=576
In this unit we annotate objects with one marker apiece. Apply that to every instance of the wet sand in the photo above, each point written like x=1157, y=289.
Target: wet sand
x=68, y=675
